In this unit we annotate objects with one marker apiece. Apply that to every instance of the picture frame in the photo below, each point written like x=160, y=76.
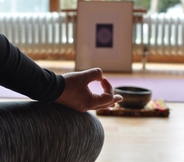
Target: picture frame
x=104, y=35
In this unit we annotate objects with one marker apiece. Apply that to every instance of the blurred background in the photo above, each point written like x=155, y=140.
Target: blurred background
x=46, y=29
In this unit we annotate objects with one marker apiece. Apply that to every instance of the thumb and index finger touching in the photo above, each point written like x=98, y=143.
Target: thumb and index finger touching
x=107, y=96
x=96, y=74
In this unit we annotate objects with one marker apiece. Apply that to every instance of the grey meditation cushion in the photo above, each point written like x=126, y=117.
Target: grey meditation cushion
x=38, y=132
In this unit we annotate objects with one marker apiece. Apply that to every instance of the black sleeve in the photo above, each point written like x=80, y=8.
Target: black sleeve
x=23, y=75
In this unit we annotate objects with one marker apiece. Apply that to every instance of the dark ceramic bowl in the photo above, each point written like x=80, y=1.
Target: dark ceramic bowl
x=133, y=97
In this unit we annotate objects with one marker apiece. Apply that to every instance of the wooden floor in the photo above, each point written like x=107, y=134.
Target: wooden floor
x=130, y=139
x=152, y=69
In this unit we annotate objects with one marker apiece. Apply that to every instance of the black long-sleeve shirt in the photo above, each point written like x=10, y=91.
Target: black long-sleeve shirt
x=23, y=75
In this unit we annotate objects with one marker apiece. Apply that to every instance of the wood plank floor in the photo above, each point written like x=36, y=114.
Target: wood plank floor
x=152, y=69
x=129, y=139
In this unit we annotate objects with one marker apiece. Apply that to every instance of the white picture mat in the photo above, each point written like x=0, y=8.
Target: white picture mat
x=117, y=58
x=104, y=53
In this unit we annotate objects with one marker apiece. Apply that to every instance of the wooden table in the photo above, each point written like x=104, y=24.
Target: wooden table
x=153, y=139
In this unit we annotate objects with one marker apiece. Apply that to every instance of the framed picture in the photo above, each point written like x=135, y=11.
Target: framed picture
x=104, y=35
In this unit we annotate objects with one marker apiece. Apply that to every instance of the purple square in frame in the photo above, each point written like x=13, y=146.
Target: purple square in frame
x=104, y=35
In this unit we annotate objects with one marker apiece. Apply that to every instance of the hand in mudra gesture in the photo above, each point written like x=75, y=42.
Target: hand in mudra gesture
x=78, y=96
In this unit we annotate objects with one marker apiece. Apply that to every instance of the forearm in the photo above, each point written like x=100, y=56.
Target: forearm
x=21, y=74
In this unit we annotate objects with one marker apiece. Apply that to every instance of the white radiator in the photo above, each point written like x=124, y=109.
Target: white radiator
x=40, y=33
x=54, y=33
x=160, y=34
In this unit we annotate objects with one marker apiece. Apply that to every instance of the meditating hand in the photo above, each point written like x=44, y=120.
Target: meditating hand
x=21, y=74
x=78, y=96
